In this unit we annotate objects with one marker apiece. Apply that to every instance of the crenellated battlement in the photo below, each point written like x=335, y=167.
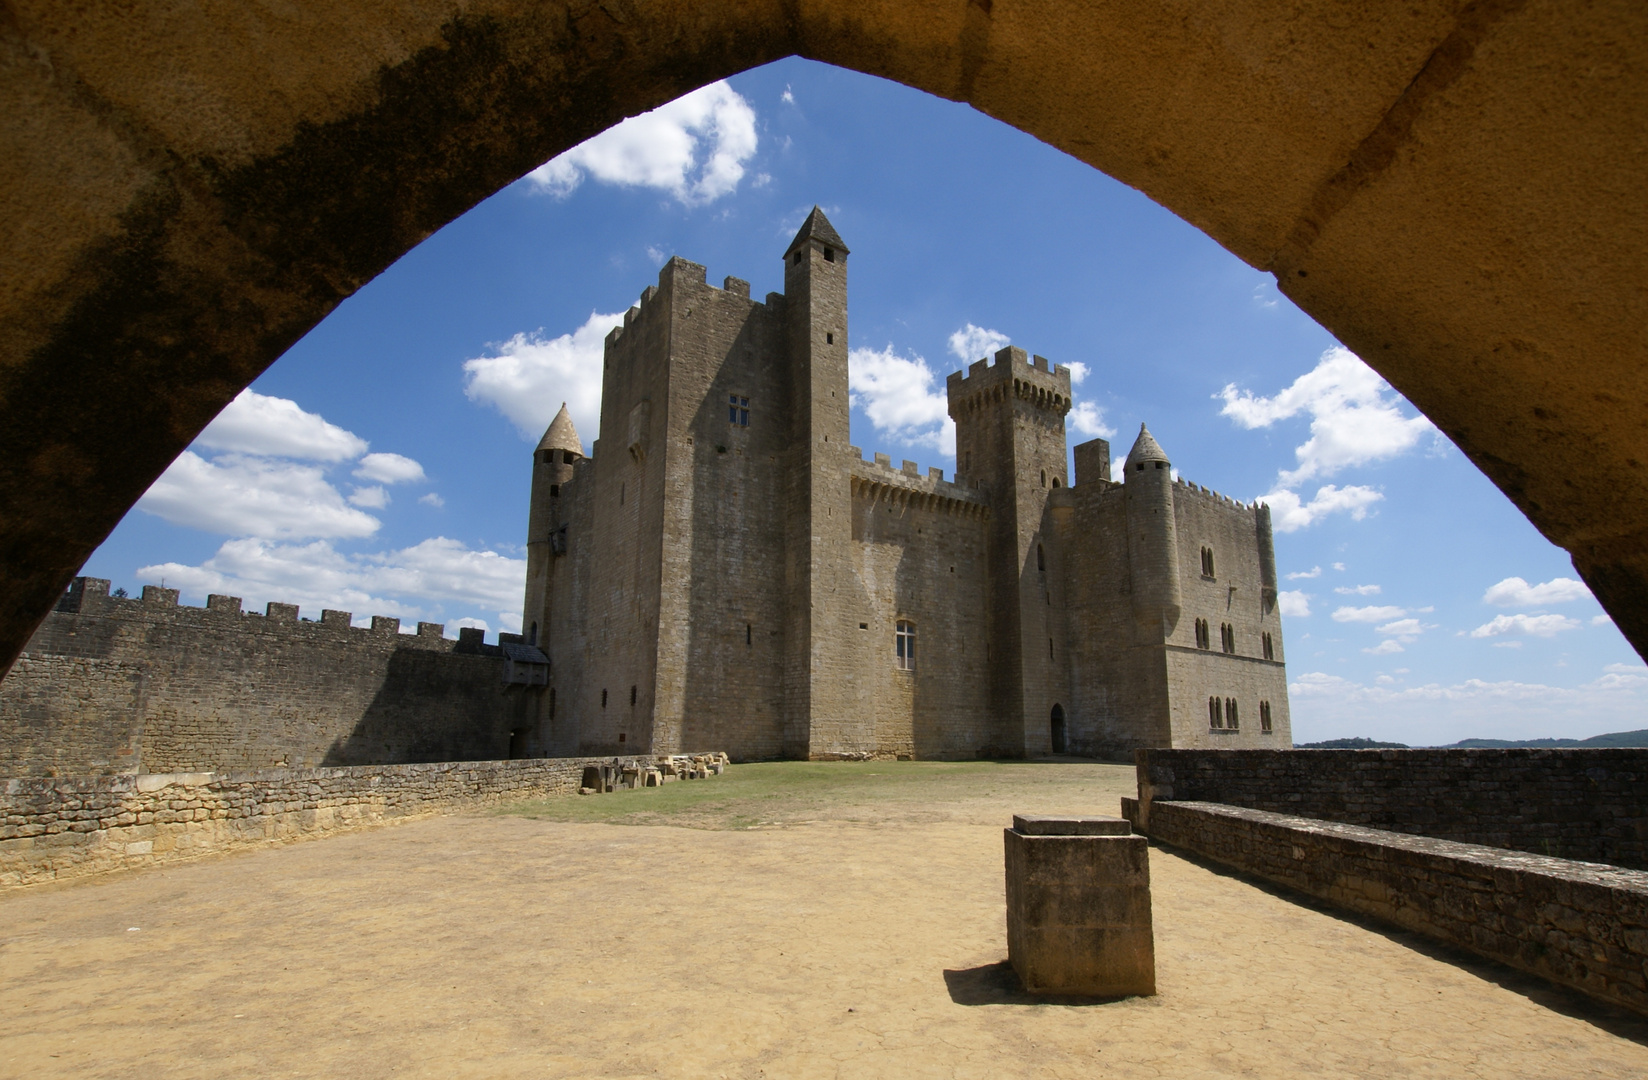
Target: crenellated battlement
x=1015, y=375
x=878, y=480
x=1185, y=487
x=683, y=271
x=224, y=614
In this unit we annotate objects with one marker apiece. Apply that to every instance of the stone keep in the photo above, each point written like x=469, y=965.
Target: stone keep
x=725, y=569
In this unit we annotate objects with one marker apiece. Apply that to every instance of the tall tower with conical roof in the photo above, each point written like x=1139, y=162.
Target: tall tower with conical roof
x=1152, y=541
x=554, y=464
x=820, y=719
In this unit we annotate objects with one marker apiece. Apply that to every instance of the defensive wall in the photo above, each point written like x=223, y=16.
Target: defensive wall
x=56, y=828
x=114, y=685
x=1459, y=852
x=1582, y=804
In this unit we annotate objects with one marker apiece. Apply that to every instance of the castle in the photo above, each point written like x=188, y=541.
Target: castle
x=726, y=570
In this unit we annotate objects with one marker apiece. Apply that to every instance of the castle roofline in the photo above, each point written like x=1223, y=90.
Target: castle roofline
x=1146, y=448
x=561, y=435
x=818, y=227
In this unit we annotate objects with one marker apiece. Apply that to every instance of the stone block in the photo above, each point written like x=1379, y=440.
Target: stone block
x=1078, y=907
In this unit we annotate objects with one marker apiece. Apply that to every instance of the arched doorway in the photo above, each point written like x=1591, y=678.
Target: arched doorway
x=1057, y=724
x=1449, y=193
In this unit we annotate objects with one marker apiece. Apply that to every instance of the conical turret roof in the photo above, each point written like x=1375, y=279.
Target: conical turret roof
x=817, y=227
x=1145, y=448
x=561, y=435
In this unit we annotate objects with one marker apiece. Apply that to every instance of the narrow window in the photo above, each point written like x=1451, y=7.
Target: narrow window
x=555, y=491
x=829, y=254
x=632, y=694
x=1204, y=639
x=1207, y=562
x=1264, y=717
x=905, y=645
x=620, y=736
x=1215, y=713
x=1231, y=720
x=1227, y=638
x=1044, y=478
x=1055, y=482
x=829, y=339
x=603, y=697
x=532, y=637
x=1049, y=648
x=1269, y=647
x=747, y=633
x=797, y=259
x=568, y=456
x=1041, y=558
x=549, y=457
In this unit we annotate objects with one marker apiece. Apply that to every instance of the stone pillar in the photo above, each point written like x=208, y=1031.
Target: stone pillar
x=1078, y=906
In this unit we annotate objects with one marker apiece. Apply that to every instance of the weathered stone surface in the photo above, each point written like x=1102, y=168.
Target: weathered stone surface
x=1581, y=924
x=1078, y=909
x=1588, y=804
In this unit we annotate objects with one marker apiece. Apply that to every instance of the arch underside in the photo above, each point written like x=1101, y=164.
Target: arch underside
x=1453, y=190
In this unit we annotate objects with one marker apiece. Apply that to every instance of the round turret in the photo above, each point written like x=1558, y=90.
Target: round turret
x=1152, y=540
x=562, y=436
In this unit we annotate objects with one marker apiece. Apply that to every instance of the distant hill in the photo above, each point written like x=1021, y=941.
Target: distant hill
x=1616, y=738
x=1351, y=744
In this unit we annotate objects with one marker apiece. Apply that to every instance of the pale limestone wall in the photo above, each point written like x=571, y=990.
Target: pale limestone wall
x=1233, y=596
x=920, y=556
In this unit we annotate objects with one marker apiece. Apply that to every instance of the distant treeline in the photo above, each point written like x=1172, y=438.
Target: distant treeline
x=1616, y=738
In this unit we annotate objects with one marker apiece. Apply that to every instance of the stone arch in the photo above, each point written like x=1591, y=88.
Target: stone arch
x=1451, y=192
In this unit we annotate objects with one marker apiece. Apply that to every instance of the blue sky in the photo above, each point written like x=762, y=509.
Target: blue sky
x=382, y=465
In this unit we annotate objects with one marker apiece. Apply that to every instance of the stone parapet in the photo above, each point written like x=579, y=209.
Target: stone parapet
x=54, y=828
x=1570, y=803
x=1583, y=925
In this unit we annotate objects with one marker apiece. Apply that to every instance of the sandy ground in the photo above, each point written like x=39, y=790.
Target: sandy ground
x=865, y=944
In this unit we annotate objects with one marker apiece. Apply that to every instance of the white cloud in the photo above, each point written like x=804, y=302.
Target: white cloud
x=1626, y=669
x=657, y=255
x=239, y=495
x=1386, y=648
x=694, y=148
x=1353, y=421
x=897, y=394
x=255, y=423
x=1601, y=620
x=1515, y=592
x=1294, y=602
x=389, y=469
x=1078, y=372
x=1289, y=513
x=1368, y=614
x=1402, y=628
x=972, y=343
x=1357, y=590
x=1339, y=566
x=424, y=581
x=1313, y=572
x=370, y=498
x=432, y=499
x=1087, y=419
x=1327, y=706
x=1535, y=625
x=788, y=96
x=530, y=375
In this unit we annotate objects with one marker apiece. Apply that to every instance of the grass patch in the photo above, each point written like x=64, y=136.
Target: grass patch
x=780, y=793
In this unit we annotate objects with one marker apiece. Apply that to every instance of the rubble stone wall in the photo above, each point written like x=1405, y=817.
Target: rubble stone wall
x=52, y=828
x=1569, y=803
x=1583, y=925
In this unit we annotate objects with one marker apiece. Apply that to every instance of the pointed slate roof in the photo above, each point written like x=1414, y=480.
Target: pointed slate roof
x=818, y=227
x=1145, y=448
x=561, y=435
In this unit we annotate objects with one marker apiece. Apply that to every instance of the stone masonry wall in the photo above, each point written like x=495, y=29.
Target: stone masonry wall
x=54, y=828
x=1568, y=803
x=1580, y=924
x=116, y=685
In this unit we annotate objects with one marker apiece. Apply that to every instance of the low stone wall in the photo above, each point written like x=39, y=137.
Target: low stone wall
x=1569, y=803
x=1583, y=925
x=53, y=828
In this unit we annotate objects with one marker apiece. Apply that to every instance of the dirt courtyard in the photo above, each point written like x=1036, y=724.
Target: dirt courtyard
x=783, y=921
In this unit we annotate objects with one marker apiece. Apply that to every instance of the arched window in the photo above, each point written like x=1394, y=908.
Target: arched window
x=1044, y=478
x=1215, y=713
x=1227, y=638
x=1204, y=637
x=905, y=645
x=1207, y=562
x=1231, y=721
x=1269, y=646
x=1041, y=558
x=1055, y=482
x=1264, y=717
